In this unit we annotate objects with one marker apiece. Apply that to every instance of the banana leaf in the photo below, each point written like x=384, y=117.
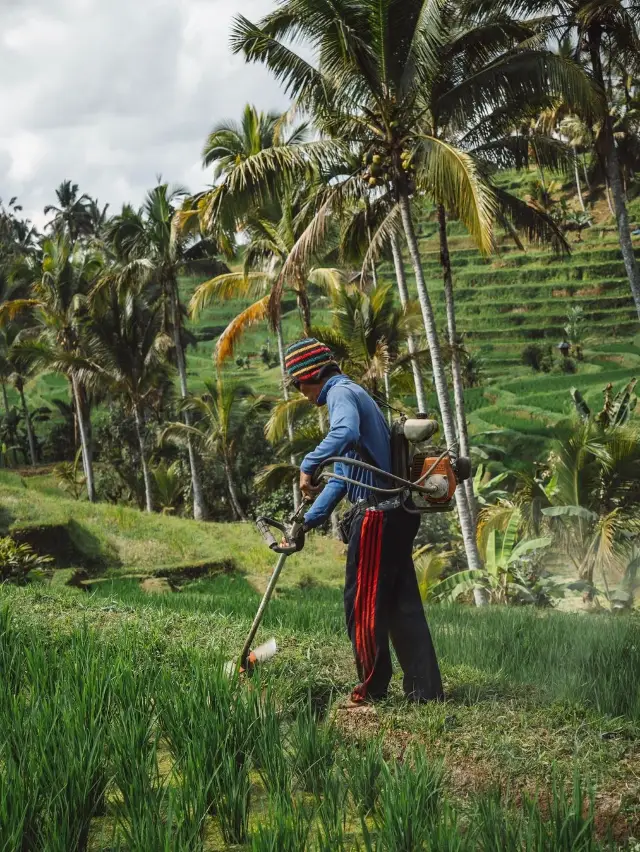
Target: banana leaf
x=570, y=512
x=527, y=546
x=455, y=585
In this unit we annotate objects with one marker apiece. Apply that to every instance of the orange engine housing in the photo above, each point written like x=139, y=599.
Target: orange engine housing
x=443, y=468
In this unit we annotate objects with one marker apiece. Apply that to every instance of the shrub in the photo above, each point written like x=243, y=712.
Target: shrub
x=19, y=564
x=568, y=365
x=537, y=358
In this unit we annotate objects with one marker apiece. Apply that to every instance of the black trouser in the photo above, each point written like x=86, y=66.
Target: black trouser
x=382, y=600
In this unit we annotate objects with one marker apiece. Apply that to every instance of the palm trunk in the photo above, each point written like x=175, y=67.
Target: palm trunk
x=29, y=427
x=335, y=526
x=403, y=292
x=233, y=493
x=607, y=189
x=374, y=271
x=576, y=172
x=12, y=432
x=540, y=168
x=622, y=219
x=87, y=459
x=613, y=172
x=387, y=395
x=456, y=369
x=86, y=415
x=199, y=504
x=297, y=496
x=440, y=382
x=586, y=174
x=143, y=461
x=304, y=306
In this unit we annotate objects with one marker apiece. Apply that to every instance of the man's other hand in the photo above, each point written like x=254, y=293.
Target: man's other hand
x=307, y=487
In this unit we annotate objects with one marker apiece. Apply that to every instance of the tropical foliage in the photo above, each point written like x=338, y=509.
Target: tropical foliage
x=401, y=114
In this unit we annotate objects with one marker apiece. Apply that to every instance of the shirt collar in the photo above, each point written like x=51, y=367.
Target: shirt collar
x=334, y=380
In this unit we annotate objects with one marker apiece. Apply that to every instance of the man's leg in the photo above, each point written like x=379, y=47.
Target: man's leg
x=367, y=587
x=407, y=622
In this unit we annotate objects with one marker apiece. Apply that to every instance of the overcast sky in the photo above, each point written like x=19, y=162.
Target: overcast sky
x=111, y=93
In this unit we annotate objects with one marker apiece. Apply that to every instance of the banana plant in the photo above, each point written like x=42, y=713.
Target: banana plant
x=485, y=486
x=596, y=544
x=502, y=576
x=502, y=556
x=616, y=410
x=429, y=564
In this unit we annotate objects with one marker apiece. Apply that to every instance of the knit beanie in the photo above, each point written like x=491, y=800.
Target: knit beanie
x=305, y=360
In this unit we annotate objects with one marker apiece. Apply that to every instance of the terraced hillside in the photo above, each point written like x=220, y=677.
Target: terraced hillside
x=504, y=303
x=517, y=298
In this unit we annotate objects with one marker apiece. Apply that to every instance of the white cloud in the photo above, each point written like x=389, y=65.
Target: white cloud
x=110, y=94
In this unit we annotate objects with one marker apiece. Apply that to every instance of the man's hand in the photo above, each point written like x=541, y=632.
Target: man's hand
x=307, y=487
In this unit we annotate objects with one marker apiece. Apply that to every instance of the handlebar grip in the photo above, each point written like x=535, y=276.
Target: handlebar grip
x=289, y=534
x=265, y=532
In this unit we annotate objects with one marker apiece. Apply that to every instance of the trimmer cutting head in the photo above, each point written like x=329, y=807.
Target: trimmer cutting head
x=260, y=654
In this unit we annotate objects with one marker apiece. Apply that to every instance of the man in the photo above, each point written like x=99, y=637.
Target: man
x=381, y=591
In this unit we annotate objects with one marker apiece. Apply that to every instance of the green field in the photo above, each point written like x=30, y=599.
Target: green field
x=154, y=749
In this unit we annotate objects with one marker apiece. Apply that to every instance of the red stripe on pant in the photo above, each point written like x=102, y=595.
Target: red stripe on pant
x=361, y=592
x=370, y=622
x=366, y=592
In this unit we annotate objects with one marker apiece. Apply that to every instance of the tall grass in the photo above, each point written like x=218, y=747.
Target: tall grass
x=557, y=821
x=588, y=660
x=176, y=756
x=410, y=802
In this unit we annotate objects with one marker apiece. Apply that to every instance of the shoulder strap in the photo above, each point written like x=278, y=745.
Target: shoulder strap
x=364, y=454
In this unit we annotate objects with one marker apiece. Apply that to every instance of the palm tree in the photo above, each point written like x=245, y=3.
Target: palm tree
x=374, y=64
x=58, y=281
x=219, y=417
x=17, y=366
x=229, y=144
x=271, y=232
x=97, y=219
x=17, y=235
x=367, y=335
x=126, y=353
x=145, y=241
x=360, y=223
x=592, y=507
x=71, y=216
x=246, y=160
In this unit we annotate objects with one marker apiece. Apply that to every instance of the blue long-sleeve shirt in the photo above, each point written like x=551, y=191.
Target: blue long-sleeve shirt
x=354, y=421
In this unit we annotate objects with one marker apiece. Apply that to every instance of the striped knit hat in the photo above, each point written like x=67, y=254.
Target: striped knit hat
x=306, y=359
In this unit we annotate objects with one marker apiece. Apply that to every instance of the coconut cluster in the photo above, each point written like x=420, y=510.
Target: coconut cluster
x=378, y=166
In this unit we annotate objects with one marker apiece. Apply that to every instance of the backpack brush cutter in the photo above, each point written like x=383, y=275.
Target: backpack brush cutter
x=423, y=476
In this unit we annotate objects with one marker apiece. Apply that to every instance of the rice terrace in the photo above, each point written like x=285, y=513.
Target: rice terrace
x=320, y=474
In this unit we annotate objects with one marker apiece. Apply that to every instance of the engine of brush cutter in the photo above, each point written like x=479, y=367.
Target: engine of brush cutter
x=423, y=476
x=436, y=471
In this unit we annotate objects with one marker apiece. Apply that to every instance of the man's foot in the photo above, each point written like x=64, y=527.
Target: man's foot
x=420, y=698
x=351, y=706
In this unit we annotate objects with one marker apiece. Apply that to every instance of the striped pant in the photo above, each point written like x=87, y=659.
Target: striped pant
x=382, y=601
